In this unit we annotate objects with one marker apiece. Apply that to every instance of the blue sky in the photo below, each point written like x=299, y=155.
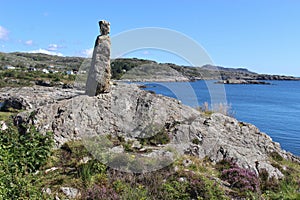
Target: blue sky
x=263, y=36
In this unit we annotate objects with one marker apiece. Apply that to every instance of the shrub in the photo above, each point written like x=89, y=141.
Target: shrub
x=267, y=183
x=97, y=192
x=22, y=152
x=88, y=170
x=242, y=179
x=26, y=147
x=175, y=190
x=276, y=156
x=222, y=108
x=189, y=185
x=161, y=137
x=131, y=191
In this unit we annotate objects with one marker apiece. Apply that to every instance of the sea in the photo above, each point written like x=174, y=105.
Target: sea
x=273, y=108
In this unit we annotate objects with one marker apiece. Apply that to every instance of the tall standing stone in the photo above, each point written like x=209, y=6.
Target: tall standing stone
x=100, y=72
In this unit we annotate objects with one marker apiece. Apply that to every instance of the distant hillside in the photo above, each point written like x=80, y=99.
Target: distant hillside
x=38, y=60
x=238, y=70
x=135, y=69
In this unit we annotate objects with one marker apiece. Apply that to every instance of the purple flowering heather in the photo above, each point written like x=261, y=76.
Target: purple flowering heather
x=242, y=179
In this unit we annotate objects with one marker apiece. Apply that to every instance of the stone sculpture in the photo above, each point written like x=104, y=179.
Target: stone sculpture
x=100, y=73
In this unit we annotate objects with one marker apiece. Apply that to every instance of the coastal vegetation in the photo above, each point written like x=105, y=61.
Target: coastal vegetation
x=31, y=169
x=222, y=108
x=21, y=78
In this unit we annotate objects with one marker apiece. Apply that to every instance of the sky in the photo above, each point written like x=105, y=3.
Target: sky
x=263, y=36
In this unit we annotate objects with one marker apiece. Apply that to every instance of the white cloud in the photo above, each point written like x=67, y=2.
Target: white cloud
x=53, y=47
x=29, y=42
x=88, y=52
x=46, y=52
x=3, y=33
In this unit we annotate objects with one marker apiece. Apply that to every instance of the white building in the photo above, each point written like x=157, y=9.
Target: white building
x=69, y=72
x=9, y=67
x=46, y=71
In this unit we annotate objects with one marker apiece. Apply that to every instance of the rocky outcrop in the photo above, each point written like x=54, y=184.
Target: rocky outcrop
x=132, y=113
x=33, y=97
x=100, y=73
x=242, y=81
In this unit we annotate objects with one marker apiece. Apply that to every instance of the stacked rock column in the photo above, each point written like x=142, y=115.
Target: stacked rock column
x=100, y=73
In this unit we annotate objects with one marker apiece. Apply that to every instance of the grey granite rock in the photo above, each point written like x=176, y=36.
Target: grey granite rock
x=70, y=192
x=130, y=112
x=100, y=72
x=104, y=27
x=33, y=97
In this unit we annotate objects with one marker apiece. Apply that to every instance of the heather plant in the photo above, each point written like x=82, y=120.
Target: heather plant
x=242, y=179
x=135, y=191
x=102, y=192
x=190, y=185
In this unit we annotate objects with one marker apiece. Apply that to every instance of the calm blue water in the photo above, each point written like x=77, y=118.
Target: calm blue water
x=274, y=109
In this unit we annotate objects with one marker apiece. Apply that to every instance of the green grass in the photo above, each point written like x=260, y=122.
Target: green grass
x=21, y=78
x=289, y=186
x=199, y=179
x=4, y=116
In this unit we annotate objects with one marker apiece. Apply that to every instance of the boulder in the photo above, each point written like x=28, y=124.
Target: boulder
x=33, y=97
x=130, y=112
x=70, y=192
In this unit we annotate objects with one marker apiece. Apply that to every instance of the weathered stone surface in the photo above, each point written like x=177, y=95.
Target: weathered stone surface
x=100, y=72
x=104, y=27
x=33, y=97
x=133, y=113
x=3, y=126
x=47, y=191
x=70, y=192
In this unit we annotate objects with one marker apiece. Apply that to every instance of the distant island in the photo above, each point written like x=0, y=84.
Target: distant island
x=242, y=82
x=47, y=70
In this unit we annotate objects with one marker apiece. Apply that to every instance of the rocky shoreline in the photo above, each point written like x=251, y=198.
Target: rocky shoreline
x=131, y=112
x=248, y=82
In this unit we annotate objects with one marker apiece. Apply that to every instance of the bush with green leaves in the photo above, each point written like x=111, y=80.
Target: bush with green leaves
x=23, y=150
x=190, y=185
